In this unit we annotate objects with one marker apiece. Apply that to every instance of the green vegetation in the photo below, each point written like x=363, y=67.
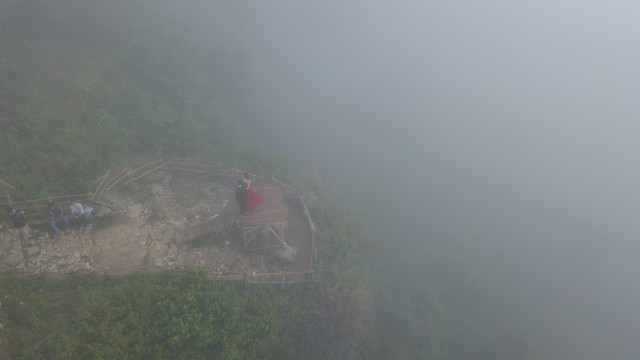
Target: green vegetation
x=85, y=87
x=169, y=316
x=80, y=94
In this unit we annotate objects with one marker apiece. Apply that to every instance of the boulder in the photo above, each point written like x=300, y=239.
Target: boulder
x=287, y=253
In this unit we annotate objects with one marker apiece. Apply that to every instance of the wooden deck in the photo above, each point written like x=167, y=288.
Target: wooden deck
x=270, y=215
x=270, y=211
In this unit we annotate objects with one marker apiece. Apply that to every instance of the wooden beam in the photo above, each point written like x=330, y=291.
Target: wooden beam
x=113, y=180
x=139, y=176
x=50, y=198
x=306, y=213
x=278, y=236
x=6, y=184
x=7, y=191
x=101, y=183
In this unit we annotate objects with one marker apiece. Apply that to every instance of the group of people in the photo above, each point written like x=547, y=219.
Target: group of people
x=56, y=216
x=247, y=198
x=56, y=219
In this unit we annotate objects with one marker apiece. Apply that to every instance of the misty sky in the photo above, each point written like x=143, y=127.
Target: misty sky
x=512, y=124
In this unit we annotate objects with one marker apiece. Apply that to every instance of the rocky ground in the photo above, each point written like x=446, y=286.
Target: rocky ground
x=139, y=231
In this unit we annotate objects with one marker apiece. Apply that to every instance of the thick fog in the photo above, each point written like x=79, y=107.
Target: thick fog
x=502, y=133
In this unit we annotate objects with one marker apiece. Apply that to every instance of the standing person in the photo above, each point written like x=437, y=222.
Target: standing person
x=55, y=216
x=20, y=222
x=78, y=215
x=253, y=198
x=241, y=196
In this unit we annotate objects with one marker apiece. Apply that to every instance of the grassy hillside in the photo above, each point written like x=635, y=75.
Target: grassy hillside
x=79, y=93
x=85, y=87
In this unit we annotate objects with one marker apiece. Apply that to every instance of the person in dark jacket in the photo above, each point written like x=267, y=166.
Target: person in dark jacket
x=241, y=196
x=20, y=222
x=56, y=216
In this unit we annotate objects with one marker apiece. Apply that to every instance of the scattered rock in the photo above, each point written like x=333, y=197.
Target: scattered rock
x=32, y=250
x=287, y=253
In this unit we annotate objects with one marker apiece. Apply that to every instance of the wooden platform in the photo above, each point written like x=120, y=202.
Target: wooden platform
x=270, y=215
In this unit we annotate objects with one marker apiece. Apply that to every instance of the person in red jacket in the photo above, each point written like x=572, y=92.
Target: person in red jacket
x=253, y=198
